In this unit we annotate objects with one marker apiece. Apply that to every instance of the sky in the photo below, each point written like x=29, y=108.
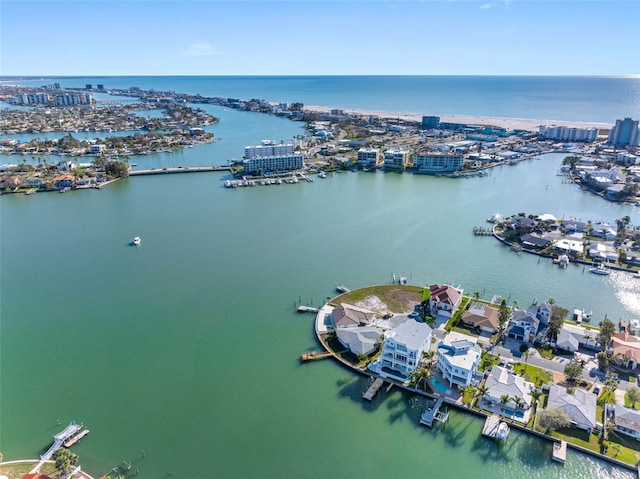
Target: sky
x=312, y=37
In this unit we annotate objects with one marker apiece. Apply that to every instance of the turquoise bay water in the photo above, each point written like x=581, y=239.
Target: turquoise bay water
x=187, y=346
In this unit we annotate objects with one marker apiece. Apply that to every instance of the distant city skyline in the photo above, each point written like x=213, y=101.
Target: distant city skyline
x=310, y=37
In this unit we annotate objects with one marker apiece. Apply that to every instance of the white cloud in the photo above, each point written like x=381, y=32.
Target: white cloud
x=486, y=6
x=200, y=50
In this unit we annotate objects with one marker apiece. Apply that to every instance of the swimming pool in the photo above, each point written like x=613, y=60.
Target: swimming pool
x=437, y=383
x=509, y=412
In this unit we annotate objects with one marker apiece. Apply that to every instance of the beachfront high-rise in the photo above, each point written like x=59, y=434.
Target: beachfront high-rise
x=624, y=133
x=564, y=133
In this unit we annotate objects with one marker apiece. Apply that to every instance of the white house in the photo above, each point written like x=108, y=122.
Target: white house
x=458, y=358
x=402, y=349
x=502, y=382
x=627, y=421
x=571, y=337
x=359, y=340
x=580, y=405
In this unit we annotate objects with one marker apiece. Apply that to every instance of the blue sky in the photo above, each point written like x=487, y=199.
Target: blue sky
x=310, y=37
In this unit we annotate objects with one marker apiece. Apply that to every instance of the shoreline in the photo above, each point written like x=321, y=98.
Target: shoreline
x=509, y=123
x=320, y=330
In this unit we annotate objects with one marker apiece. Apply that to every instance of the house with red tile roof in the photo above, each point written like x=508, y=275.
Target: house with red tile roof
x=444, y=299
x=626, y=350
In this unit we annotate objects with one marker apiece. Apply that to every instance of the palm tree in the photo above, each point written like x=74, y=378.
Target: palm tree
x=481, y=391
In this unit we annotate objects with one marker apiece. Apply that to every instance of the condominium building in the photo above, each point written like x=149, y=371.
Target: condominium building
x=624, y=133
x=65, y=99
x=268, y=148
x=563, y=133
x=397, y=158
x=438, y=162
x=272, y=164
x=369, y=157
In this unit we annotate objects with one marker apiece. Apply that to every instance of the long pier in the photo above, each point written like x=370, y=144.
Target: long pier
x=178, y=169
x=312, y=356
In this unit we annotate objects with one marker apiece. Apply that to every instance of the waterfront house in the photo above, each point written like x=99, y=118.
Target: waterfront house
x=627, y=421
x=458, y=359
x=359, y=340
x=603, y=250
x=503, y=383
x=571, y=337
x=10, y=182
x=482, y=316
x=34, y=182
x=542, y=312
x=533, y=241
x=568, y=246
x=523, y=326
x=346, y=315
x=444, y=300
x=626, y=350
x=402, y=349
x=62, y=181
x=580, y=405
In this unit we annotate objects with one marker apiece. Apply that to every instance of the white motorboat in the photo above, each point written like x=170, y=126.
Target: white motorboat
x=137, y=240
x=502, y=432
x=600, y=269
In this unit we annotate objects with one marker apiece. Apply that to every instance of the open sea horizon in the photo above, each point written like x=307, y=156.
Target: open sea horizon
x=595, y=99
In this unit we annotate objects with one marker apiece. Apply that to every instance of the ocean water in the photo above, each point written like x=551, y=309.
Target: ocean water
x=588, y=99
x=187, y=346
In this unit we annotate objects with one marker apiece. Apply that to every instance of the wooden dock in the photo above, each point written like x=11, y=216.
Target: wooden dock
x=76, y=438
x=491, y=426
x=373, y=389
x=313, y=356
x=433, y=413
x=560, y=451
x=307, y=309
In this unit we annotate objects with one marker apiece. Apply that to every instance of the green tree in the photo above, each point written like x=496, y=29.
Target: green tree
x=551, y=419
x=573, y=372
x=607, y=328
x=556, y=320
x=633, y=395
x=571, y=161
x=504, y=315
x=536, y=394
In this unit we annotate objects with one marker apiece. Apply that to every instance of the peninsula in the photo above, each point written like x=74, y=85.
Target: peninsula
x=532, y=367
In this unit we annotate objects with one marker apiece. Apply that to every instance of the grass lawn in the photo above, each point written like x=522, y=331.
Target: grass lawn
x=399, y=299
x=545, y=352
x=618, y=448
x=17, y=471
x=532, y=374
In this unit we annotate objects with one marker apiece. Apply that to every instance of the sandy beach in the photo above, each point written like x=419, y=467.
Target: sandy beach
x=508, y=123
